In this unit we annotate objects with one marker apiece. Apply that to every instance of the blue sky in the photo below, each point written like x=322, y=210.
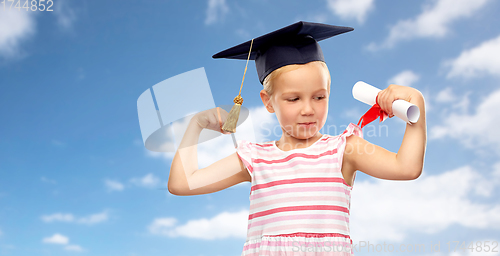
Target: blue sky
x=76, y=179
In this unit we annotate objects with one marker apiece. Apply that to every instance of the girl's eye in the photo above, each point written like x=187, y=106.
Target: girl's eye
x=291, y=100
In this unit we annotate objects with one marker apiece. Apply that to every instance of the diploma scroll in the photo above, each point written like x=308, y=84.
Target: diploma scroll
x=403, y=109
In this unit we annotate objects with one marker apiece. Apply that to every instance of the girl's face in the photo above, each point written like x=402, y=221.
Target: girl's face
x=300, y=96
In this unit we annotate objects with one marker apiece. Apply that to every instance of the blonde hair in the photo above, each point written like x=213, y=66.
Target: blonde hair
x=268, y=81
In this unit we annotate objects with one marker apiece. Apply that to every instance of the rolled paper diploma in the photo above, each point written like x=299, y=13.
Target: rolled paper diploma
x=403, y=109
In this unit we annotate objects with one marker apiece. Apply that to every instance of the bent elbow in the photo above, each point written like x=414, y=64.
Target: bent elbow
x=413, y=174
x=171, y=190
x=416, y=175
x=174, y=191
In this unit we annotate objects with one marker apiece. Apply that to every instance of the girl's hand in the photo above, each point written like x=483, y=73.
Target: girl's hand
x=396, y=92
x=210, y=119
x=380, y=163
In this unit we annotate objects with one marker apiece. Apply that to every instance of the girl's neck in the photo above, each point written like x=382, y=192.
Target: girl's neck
x=288, y=142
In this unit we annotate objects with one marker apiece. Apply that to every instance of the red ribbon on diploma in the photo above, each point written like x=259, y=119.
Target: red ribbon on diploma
x=373, y=113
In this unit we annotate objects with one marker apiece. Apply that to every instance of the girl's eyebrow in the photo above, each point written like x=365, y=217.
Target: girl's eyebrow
x=298, y=92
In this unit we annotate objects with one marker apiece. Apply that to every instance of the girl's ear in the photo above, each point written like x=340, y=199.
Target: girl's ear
x=267, y=101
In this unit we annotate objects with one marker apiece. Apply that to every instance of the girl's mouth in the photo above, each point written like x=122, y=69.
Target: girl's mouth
x=307, y=125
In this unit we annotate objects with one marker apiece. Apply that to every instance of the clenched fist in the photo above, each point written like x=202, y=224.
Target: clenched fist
x=212, y=119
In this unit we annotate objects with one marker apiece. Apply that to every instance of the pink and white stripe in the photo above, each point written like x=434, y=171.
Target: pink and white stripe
x=298, y=197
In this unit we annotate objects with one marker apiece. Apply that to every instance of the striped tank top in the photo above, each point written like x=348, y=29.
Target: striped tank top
x=299, y=200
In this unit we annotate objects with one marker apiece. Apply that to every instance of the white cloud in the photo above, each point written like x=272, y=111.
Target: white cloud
x=158, y=154
x=216, y=11
x=18, y=26
x=15, y=27
x=148, y=181
x=47, y=180
x=73, y=248
x=224, y=225
x=448, y=98
x=433, y=22
x=113, y=185
x=319, y=18
x=62, y=240
x=351, y=9
x=479, y=61
x=496, y=172
x=490, y=252
x=242, y=33
x=405, y=78
x=94, y=218
x=446, y=95
x=56, y=239
x=473, y=130
x=427, y=205
x=70, y=218
x=65, y=14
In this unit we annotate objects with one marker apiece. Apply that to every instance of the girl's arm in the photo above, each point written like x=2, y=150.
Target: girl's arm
x=185, y=177
x=378, y=162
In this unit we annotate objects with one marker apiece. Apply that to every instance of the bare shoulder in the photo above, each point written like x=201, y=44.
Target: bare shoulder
x=348, y=165
x=353, y=144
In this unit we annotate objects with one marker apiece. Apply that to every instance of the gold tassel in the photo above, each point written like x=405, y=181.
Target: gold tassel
x=234, y=114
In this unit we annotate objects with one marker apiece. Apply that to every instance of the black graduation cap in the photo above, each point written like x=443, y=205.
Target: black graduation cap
x=293, y=44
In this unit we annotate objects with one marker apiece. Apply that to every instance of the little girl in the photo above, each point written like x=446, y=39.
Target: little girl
x=301, y=184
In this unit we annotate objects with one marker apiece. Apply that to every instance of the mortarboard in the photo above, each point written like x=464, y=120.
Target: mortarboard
x=293, y=44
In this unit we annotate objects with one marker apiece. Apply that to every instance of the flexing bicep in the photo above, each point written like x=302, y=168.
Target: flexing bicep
x=374, y=160
x=220, y=175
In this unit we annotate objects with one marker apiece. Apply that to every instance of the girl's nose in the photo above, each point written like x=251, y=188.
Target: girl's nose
x=307, y=109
